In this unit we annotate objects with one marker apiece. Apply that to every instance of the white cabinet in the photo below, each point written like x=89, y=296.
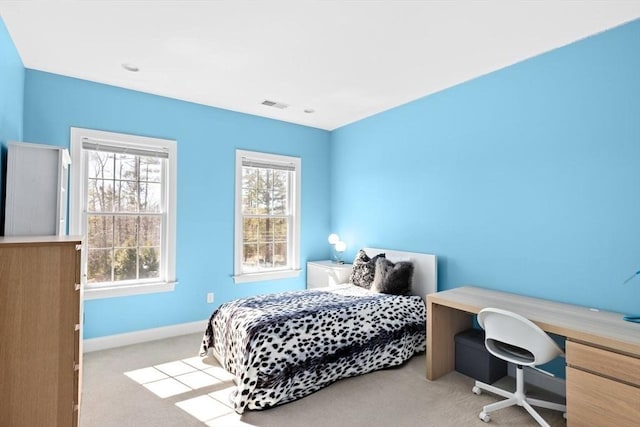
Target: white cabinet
x=326, y=273
x=37, y=179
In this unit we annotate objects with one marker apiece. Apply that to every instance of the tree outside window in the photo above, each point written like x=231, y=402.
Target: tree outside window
x=124, y=217
x=265, y=200
x=267, y=216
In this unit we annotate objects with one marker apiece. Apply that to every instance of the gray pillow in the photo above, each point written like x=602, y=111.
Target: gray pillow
x=363, y=269
x=390, y=278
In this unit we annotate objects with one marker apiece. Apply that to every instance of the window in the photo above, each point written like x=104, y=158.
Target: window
x=267, y=227
x=123, y=203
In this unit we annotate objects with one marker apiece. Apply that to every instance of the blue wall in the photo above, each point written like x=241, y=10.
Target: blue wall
x=11, y=101
x=207, y=138
x=525, y=180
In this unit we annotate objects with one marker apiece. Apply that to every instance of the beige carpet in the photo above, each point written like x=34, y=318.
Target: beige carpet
x=132, y=386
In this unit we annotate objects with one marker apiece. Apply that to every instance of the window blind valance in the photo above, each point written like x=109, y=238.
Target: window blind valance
x=105, y=146
x=253, y=163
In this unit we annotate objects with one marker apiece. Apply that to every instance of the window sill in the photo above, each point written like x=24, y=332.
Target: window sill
x=271, y=275
x=127, y=290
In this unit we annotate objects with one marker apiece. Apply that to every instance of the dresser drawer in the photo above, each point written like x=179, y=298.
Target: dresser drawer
x=593, y=400
x=602, y=362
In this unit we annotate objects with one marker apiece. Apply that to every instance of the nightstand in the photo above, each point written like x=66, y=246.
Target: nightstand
x=321, y=274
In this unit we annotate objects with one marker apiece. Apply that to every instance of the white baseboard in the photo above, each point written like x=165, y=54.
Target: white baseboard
x=538, y=379
x=119, y=340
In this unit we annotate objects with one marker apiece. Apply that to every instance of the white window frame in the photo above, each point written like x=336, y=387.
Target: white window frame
x=294, y=234
x=78, y=200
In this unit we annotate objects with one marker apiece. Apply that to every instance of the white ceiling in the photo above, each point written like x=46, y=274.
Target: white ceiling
x=346, y=60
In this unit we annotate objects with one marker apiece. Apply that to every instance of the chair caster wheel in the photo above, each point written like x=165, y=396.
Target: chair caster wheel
x=476, y=390
x=484, y=417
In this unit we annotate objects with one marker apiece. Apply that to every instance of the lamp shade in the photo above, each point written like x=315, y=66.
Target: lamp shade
x=333, y=238
x=341, y=246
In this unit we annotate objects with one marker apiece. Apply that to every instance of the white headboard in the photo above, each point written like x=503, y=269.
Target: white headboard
x=425, y=268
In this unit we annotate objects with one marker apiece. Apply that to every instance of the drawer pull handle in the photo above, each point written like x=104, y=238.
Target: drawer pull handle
x=77, y=286
x=77, y=327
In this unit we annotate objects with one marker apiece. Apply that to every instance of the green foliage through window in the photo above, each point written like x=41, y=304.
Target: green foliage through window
x=266, y=218
x=124, y=217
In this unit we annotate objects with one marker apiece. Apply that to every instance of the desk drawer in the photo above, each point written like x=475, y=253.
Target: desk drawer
x=597, y=401
x=602, y=362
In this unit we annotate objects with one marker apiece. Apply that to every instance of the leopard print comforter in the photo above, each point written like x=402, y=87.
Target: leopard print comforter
x=282, y=347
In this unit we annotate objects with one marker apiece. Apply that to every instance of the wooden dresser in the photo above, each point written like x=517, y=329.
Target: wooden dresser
x=40, y=331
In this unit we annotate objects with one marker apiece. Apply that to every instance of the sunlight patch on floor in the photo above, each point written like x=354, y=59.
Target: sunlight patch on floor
x=220, y=373
x=204, y=408
x=175, y=368
x=215, y=409
x=166, y=388
x=146, y=375
x=169, y=379
x=180, y=376
x=231, y=420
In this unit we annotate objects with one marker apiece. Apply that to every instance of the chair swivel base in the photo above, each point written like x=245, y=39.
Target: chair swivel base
x=515, y=398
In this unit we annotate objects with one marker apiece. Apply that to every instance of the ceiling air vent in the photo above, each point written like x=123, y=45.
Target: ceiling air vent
x=274, y=104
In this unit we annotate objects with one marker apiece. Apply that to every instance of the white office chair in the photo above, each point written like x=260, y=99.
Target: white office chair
x=518, y=340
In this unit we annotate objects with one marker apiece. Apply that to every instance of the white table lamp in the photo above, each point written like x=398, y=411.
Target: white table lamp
x=338, y=247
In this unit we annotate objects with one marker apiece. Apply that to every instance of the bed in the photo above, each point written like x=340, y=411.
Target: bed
x=282, y=347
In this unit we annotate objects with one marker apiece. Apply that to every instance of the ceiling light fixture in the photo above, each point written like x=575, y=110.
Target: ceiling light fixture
x=130, y=67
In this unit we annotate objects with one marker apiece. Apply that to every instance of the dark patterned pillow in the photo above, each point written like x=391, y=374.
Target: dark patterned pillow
x=392, y=278
x=364, y=269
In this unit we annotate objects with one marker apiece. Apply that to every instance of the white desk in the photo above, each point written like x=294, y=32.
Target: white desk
x=603, y=351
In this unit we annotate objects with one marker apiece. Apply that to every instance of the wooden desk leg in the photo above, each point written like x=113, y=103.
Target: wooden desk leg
x=443, y=323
